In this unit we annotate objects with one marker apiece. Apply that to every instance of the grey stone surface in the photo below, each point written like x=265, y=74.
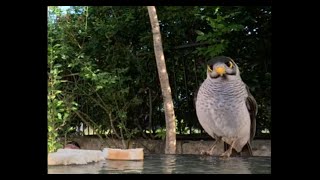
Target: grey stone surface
x=259, y=147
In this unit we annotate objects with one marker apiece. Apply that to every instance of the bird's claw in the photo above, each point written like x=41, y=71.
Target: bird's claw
x=206, y=153
x=225, y=155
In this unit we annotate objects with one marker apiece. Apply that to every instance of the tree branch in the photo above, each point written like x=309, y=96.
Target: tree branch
x=87, y=123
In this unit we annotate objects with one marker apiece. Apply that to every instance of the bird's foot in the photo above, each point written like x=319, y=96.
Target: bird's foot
x=226, y=154
x=206, y=153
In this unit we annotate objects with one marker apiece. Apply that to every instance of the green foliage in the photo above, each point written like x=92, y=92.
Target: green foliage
x=181, y=127
x=222, y=27
x=161, y=133
x=93, y=74
x=60, y=105
x=102, y=59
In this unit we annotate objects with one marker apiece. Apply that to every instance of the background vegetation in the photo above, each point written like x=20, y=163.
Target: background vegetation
x=102, y=71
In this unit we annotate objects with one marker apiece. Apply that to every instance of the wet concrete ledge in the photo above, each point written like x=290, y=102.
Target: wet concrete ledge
x=260, y=147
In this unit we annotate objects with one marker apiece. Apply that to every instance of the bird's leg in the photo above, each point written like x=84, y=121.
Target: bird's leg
x=228, y=152
x=216, y=142
x=214, y=145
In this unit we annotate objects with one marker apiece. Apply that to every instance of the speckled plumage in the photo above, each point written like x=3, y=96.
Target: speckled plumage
x=225, y=108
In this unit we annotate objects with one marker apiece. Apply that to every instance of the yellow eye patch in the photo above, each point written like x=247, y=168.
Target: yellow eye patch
x=209, y=69
x=229, y=64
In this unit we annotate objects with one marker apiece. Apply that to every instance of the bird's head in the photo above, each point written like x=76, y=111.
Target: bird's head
x=222, y=68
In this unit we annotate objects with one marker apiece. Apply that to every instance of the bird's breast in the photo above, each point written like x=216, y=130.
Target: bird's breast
x=221, y=109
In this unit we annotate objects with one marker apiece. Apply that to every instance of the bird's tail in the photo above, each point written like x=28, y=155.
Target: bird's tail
x=246, y=150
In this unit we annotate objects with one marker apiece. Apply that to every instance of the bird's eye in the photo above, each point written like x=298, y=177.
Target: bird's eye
x=229, y=64
x=210, y=68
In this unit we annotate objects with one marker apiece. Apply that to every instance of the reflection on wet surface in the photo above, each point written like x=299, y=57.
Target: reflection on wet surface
x=172, y=164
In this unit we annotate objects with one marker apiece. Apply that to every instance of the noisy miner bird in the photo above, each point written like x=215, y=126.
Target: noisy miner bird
x=225, y=107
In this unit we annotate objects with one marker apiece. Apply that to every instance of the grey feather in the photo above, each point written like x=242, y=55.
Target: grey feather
x=225, y=107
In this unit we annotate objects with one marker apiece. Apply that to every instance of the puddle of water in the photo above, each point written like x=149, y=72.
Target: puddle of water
x=172, y=164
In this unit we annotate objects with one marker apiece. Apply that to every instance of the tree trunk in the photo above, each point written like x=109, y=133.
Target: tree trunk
x=164, y=82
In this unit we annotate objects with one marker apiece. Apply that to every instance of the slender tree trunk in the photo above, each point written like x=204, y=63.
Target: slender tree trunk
x=164, y=82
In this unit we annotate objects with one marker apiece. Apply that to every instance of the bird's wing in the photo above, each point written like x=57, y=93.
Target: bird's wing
x=253, y=110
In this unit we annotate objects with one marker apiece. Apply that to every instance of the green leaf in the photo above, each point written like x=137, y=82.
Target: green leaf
x=59, y=103
x=57, y=65
x=201, y=38
x=52, y=96
x=64, y=57
x=216, y=10
x=57, y=45
x=200, y=33
x=99, y=87
x=59, y=116
x=66, y=115
x=50, y=129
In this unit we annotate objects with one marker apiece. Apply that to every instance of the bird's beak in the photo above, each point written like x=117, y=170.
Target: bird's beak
x=220, y=70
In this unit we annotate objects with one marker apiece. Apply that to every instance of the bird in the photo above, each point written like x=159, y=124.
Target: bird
x=226, y=108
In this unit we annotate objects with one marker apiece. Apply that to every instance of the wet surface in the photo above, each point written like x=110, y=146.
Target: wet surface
x=172, y=164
